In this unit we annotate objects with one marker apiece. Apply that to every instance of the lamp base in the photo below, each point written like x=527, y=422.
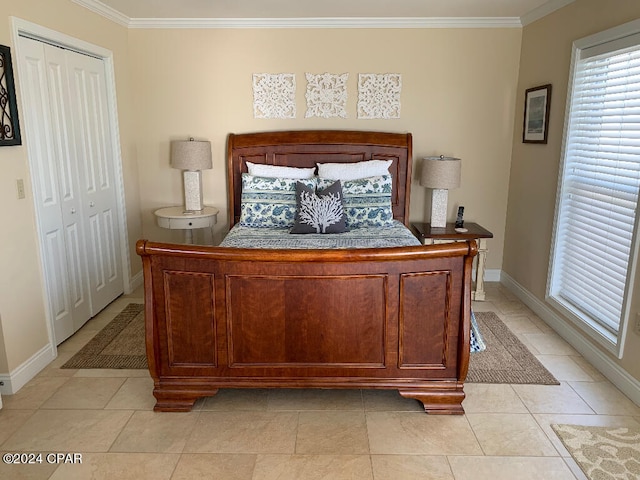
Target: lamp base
x=192, y=190
x=439, y=198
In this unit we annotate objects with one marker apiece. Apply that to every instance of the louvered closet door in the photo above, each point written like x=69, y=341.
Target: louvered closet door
x=96, y=177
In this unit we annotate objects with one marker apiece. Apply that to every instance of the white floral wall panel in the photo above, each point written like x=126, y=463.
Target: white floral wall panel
x=326, y=95
x=274, y=95
x=379, y=95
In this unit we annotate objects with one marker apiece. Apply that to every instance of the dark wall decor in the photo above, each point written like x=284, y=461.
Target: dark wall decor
x=537, y=103
x=9, y=124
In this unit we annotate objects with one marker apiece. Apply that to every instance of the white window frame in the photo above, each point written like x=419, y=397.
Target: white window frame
x=611, y=342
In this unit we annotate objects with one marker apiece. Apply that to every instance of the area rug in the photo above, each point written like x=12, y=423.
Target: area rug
x=121, y=344
x=603, y=453
x=506, y=359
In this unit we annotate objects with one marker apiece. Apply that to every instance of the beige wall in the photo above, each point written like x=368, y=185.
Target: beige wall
x=22, y=310
x=458, y=98
x=546, y=58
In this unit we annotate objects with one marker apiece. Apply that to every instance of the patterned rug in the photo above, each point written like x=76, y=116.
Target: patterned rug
x=506, y=359
x=603, y=453
x=121, y=344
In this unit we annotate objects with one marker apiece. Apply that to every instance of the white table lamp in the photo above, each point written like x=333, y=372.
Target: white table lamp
x=440, y=174
x=192, y=157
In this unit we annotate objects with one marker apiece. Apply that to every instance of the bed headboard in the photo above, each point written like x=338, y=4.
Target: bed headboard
x=305, y=148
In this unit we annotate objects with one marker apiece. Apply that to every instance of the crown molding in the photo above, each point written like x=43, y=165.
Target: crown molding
x=543, y=10
x=328, y=22
x=105, y=11
x=100, y=8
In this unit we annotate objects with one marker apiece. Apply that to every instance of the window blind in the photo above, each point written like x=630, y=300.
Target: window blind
x=599, y=189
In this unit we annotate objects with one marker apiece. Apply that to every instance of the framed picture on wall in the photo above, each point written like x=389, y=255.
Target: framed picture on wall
x=9, y=124
x=537, y=102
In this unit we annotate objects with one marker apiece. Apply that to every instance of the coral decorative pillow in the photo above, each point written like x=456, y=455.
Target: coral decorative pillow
x=320, y=212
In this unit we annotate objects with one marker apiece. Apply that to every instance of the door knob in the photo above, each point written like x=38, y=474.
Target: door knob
x=73, y=211
x=92, y=204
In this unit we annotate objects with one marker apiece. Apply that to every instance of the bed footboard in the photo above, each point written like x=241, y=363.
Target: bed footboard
x=395, y=318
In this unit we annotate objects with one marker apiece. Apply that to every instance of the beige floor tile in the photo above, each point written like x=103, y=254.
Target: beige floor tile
x=420, y=434
x=11, y=421
x=134, y=394
x=564, y=368
x=510, y=468
x=37, y=471
x=492, y=398
x=33, y=394
x=315, y=399
x=514, y=434
x=68, y=431
x=155, y=432
x=76, y=341
x=546, y=420
x=313, y=467
x=410, y=467
x=552, y=399
x=55, y=371
x=520, y=324
x=120, y=466
x=550, y=344
x=207, y=466
x=237, y=399
x=112, y=373
x=389, y=401
x=590, y=369
x=332, y=433
x=605, y=398
x=79, y=393
x=244, y=432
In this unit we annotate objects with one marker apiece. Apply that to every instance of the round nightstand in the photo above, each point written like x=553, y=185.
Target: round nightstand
x=176, y=218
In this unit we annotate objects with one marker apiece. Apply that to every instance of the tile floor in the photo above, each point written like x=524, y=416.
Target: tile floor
x=107, y=417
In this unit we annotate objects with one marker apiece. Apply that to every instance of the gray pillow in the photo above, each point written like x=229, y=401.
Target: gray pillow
x=320, y=212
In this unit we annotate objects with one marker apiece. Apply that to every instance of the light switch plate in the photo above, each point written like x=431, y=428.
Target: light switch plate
x=20, y=185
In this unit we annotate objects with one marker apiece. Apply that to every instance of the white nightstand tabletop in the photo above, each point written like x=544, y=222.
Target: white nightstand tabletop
x=176, y=218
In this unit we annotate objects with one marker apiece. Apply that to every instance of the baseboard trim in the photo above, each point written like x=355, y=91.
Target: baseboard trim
x=492, y=275
x=605, y=365
x=17, y=379
x=136, y=281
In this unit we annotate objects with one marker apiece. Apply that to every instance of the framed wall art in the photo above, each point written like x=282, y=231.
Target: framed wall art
x=537, y=102
x=9, y=124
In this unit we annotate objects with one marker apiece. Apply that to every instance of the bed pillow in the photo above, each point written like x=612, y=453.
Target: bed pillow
x=277, y=171
x=320, y=212
x=269, y=202
x=354, y=171
x=367, y=201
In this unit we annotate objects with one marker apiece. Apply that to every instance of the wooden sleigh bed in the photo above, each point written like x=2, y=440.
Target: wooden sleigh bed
x=379, y=318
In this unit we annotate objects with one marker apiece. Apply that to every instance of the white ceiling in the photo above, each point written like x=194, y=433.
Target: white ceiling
x=132, y=11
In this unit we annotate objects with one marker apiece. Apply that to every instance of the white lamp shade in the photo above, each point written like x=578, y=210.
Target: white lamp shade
x=441, y=172
x=191, y=155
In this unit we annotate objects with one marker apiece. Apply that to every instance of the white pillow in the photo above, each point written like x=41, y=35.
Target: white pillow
x=354, y=171
x=276, y=171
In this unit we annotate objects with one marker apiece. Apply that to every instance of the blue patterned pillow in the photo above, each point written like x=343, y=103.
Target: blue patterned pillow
x=367, y=201
x=269, y=202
